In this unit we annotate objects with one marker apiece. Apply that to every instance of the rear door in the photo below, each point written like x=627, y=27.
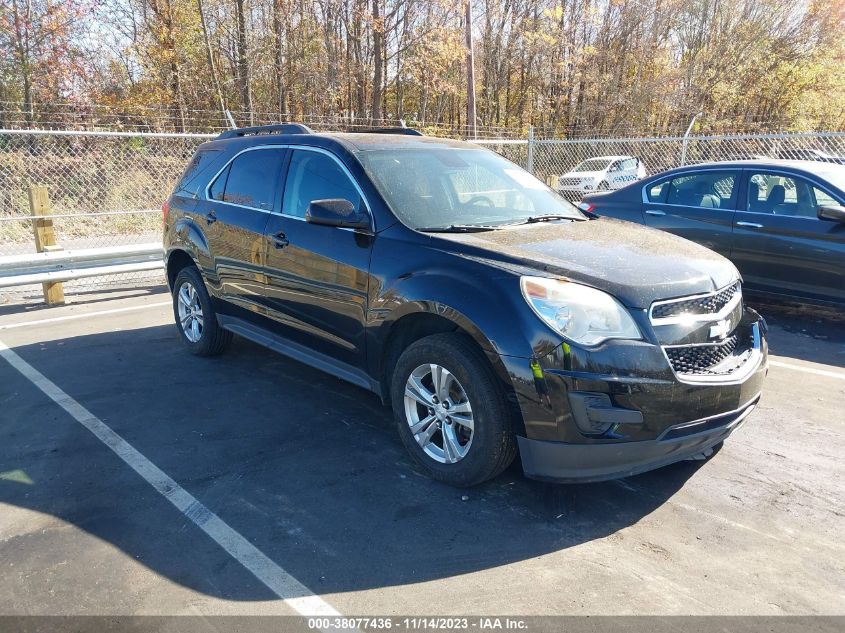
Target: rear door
x=698, y=205
x=239, y=203
x=317, y=276
x=780, y=245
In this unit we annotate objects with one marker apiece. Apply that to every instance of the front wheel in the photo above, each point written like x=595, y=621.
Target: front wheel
x=451, y=411
x=195, y=316
x=604, y=186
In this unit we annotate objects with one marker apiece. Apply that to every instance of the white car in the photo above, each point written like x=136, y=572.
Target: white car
x=603, y=173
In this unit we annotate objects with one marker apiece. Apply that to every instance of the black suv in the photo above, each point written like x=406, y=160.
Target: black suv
x=488, y=311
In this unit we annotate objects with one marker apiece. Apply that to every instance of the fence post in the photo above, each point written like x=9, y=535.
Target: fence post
x=530, y=166
x=686, y=139
x=45, y=239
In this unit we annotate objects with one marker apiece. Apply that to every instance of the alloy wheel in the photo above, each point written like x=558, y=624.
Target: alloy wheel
x=190, y=312
x=439, y=413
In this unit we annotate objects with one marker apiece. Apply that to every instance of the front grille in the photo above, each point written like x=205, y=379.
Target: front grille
x=708, y=304
x=568, y=182
x=720, y=359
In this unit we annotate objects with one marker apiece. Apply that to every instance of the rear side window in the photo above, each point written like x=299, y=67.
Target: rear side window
x=711, y=189
x=189, y=183
x=315, y=176
x=657, y=192
x=251, y=180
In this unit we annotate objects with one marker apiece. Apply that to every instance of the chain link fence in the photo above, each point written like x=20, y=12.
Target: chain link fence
x=107, y=188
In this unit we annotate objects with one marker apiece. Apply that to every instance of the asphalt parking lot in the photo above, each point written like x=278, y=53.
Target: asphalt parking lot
x=281, y=489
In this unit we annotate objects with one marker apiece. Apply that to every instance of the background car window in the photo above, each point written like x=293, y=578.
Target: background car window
x=315, y=176
x=710, y=189
x=781, y=195
x=657, y=192
x=253, y=178
x=823, y=199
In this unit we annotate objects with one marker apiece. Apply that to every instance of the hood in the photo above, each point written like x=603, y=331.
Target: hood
x=636, y=264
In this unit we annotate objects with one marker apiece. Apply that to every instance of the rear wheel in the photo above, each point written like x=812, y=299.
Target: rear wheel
x=450, y=410
x=195, y=316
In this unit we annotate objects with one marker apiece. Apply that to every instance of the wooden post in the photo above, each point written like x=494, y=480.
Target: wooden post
x=45, y=239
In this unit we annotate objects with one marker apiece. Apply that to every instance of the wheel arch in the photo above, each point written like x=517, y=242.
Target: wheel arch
x=434, y=318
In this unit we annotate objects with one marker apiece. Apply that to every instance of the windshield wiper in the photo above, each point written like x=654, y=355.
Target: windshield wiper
x=457, y=228
x=534, y=219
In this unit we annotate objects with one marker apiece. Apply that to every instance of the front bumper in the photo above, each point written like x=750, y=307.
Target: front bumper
x=562, y=462
x=643, y=414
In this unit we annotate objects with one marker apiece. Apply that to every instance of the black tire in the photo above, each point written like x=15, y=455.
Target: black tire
x=213, y=339
x=603, y=186
x=493, y=445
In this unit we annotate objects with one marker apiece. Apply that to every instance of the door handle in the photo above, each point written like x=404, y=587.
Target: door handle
x=210, y=217
x=280, y=240
x=750, y=225
x=654, y=212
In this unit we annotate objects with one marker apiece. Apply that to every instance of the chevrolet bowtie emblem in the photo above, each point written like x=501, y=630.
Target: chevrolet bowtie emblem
x=720, y=329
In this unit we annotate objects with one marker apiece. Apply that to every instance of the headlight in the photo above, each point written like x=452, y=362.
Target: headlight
x=582, y=314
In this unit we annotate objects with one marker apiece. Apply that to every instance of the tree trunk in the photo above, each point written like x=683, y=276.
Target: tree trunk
x=279, y=21
x=378, y=61
x=210, y=55
x=243, y=61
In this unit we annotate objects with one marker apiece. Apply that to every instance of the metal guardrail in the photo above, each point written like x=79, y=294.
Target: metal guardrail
x=56, y=266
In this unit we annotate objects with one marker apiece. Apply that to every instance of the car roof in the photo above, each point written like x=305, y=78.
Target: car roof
x=808, y=166
x=353, y=142
x=606, y=158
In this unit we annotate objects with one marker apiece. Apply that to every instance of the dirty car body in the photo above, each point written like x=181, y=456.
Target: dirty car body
x=671, y=367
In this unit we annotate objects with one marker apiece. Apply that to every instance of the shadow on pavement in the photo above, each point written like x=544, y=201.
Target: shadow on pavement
x=308, y=468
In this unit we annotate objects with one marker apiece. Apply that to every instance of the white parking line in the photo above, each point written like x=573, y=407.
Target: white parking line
x=809, y=370
x=294, y=593
x=72, y=317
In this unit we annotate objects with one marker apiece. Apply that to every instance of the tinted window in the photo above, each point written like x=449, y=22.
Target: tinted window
x=315, y=176
x=711, y=189
x=189, y=184
x=251, y=180
x=783, y=195
x=216, y=190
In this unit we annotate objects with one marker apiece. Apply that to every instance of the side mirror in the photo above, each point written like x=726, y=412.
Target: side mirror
x=336, y=212
x=833, y=212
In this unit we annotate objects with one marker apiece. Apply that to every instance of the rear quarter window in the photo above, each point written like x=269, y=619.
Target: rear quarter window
x=190, y=183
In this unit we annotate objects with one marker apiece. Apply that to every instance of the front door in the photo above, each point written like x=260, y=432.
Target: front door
x=317, y=276
x=780, y=245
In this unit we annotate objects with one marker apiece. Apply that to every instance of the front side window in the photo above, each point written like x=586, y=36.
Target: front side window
x=710, y=190
x=251, y=180
x=315, y=176
x=438, y=188
x=782, y=195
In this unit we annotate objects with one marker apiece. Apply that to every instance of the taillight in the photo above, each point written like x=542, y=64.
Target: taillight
x=164, y=209
x=586, y=207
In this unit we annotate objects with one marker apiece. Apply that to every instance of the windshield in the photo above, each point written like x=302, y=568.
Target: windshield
x=594, y=164
x=429, y=188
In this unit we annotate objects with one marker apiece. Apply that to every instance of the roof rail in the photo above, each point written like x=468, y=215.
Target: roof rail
x=390, y=130
x=282, y=128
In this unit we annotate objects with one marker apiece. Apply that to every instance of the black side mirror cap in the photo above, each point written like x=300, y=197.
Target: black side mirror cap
x=336, y=212
x=833, y=212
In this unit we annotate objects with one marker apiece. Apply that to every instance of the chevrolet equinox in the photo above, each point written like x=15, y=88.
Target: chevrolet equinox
x=492, y=315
